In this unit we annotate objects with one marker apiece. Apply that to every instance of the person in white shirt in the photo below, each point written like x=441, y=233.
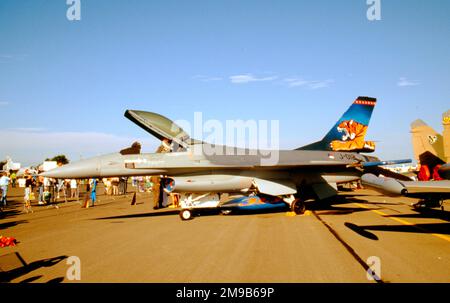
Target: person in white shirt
x=73, y=188
x=4, y=182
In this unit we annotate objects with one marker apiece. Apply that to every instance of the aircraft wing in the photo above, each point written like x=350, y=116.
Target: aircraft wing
x=414, y=189
x=419, y=189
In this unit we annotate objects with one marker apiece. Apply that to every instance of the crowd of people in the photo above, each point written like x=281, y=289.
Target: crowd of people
x=47, y=190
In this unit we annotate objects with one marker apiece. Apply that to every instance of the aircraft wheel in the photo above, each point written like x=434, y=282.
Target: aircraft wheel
x=186, y=214
x=298, y=206
x=225, y=211
x=420, y=206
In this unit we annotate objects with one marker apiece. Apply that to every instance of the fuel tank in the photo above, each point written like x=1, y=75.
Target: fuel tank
x=387, y=186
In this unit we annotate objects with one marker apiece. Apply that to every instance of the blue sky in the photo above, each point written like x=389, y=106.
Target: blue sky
x=64, y=85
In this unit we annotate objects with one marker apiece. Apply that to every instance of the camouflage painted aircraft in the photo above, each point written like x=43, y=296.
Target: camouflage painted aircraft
x=430, y=150
x=242, y=178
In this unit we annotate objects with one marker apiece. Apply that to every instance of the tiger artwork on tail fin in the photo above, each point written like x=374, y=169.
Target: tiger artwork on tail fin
x=353, y=137
x=347, y=134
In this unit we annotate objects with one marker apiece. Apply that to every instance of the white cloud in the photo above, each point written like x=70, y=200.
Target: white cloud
x=27, y=129
x=13, y=56
x=290, y=82
x=32, y=146
x=299, y=82
x=320, y=84
x=402, y=82
x=293, y=82
x=207, y=78
x=247, y=78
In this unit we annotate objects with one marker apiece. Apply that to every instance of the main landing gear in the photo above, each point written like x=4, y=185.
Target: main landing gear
x=428, y=203
x=296, y=205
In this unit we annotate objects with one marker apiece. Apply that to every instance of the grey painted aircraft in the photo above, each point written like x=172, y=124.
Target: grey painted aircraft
x=430, y=150
x=230, y=177
x=430, y=193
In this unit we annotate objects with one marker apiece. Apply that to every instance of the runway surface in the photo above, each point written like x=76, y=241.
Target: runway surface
x=118, y=242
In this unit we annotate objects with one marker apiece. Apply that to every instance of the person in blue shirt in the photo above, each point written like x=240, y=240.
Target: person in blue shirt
x=93, y=184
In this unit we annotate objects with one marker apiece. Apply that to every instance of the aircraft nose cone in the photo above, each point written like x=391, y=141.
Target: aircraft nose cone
x=81, y=169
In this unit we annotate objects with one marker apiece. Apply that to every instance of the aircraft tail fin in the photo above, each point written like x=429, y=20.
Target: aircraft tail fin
x=428, y=144
x=348, y=134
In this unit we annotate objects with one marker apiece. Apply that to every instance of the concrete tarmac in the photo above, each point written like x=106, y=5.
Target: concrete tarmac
x=332, y=242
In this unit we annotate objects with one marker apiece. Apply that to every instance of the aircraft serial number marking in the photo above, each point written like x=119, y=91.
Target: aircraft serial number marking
x=346, y=157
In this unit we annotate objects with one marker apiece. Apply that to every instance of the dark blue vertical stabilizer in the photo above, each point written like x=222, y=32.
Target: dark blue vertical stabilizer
x=348, y=134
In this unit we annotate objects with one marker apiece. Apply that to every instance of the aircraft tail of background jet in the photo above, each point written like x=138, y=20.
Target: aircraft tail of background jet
x=428, y=144
x=348, y=134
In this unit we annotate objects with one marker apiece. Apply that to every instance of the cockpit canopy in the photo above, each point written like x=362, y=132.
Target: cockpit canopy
x=159, y=126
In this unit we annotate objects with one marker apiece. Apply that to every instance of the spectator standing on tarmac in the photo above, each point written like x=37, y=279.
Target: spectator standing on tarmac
x=107, y=184
x=93, y=183
x=123, y=185
x=40, y=185
x=4, y=182
x=27, y=196
x=73, y=188
x=13, y=177
x=115, y=185
x=67, y=190
x=59, y=187
x=157, y=189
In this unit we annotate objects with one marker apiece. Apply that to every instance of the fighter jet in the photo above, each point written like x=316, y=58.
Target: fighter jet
x=430, y=193
x=430, y=148
x=242, y=178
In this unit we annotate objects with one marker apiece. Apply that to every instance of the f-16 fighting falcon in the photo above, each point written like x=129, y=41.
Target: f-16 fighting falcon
x=243, y=178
